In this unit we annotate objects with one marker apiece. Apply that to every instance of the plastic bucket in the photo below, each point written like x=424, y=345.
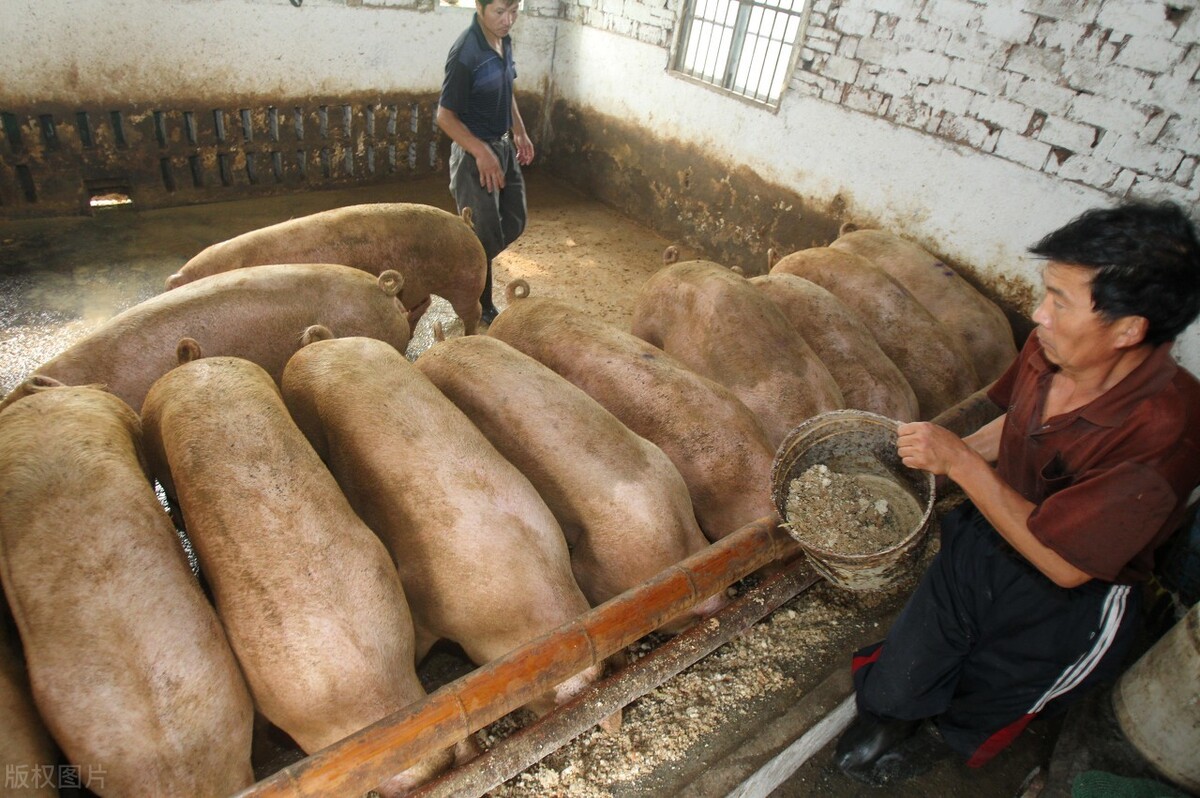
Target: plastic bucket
x=858, y=443
x=1157, y=703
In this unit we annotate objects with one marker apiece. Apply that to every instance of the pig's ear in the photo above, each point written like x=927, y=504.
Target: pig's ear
x=670, y=255
x=612, y=724
x=187, y=350
x=40, y=382
x=314, y=333
x=439, y=333
x=772, y=258
x=466, y=217
x=737, y=270
x=847, y=227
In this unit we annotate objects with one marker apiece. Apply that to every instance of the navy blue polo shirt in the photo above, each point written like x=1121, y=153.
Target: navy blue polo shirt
x=479, y=83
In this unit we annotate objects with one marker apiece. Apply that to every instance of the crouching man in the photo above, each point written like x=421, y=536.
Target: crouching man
x=1032, y=598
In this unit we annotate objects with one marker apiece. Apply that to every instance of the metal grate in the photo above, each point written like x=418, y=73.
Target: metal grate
x=742, y=46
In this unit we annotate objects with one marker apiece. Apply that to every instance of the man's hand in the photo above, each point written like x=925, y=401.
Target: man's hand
x=930, y=447
x=491, y=176
x=524, y=149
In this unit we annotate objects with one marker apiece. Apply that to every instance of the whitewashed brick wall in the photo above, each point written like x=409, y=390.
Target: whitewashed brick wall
x=1104, y=93
x=1101, y=92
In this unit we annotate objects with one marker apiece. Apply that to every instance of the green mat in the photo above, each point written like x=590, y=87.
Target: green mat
x=1098, y=784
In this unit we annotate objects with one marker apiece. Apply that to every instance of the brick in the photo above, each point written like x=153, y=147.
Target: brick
x=1035, y=61
x=1147, y=158
x=1189, y=30
x=1181, y=132
x=829, y=48
x=977, y=77
x=1006, y=23
x=1156, y=121
x=1112, y=81
x=871, y=102
x=823, y=34
x=975, y=46
x=1106, y=112
x=1000, y=112
x=907, y=112
x=964, y=130
x=848, y=47
x=922, y=65
x=843, y=69
x=1060, y=132
x=1056, y=34
x=855, y=21
x=1150, y=53
x=1042, y=95
x=898, y=8
x=1186, y=173
x=942, y=96
x=1176, y=89
x=891, y=81
x=953, y=14
x=877, y=51
x=1019, y=149
x=1071, y=10
x=1085, y=169
x=1138, y=17
x=1154, y=189
x=917, y=35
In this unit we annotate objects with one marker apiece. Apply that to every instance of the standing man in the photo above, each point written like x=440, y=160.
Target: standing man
x=478, y=111
x=1034, y=595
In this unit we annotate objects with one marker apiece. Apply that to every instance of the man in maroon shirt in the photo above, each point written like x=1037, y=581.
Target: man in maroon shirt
x=1031, y=599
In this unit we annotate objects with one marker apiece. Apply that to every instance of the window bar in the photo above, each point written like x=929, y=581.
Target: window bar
x=735, y=47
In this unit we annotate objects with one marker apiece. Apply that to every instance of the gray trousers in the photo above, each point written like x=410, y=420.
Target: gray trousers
x=499, y=216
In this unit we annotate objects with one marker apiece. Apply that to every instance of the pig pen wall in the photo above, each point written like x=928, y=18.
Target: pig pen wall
x=973, y=128
x=172, y=102
x=970, y=127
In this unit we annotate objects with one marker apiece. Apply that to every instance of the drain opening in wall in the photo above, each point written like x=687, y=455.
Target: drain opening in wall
x=105, y=195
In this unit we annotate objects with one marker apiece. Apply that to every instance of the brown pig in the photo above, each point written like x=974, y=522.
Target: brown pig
x=258, y=314
x=482, y=560
x=868, y=378
x=715, y=322
x=931, y=358
x=436, y=251
x=26, y=750
x=976, y=320
x=310, y=600
x=619, y=500
x=715, y=442
x=128, y=664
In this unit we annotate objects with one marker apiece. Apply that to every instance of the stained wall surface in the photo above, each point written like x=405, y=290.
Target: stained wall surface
x=971, y=127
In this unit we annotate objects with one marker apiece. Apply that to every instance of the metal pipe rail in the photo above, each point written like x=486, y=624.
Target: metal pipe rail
x=519, y=751
x=367, y=758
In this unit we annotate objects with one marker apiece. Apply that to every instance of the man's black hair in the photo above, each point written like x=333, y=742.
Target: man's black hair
x=1146, y=262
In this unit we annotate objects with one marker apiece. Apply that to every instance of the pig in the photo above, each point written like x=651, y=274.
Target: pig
x=620, y=501
x=715, y=323
x=311, y=602
x=436, y=251
x=257, y=313
x=481, y=558
x=716, y=443
x=25, y=746
x=868, y=378
x=129, y=667
x=931, y=358
x=978, y=321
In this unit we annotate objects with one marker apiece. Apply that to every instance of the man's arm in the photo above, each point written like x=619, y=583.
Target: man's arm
x=939, y=451
x=520, y=136
x=491, y=176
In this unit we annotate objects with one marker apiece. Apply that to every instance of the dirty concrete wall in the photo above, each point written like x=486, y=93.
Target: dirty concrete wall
x=178, y=101
x=970, y=127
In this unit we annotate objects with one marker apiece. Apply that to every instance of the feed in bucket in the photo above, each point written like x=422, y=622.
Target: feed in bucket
x=859, y=514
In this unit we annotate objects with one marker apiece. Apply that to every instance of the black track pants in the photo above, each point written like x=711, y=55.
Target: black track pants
x=986, y=643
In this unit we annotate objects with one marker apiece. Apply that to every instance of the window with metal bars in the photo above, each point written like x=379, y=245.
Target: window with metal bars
x=742, y=46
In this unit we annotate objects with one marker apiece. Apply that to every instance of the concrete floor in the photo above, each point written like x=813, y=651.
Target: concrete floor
x=60, y=278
